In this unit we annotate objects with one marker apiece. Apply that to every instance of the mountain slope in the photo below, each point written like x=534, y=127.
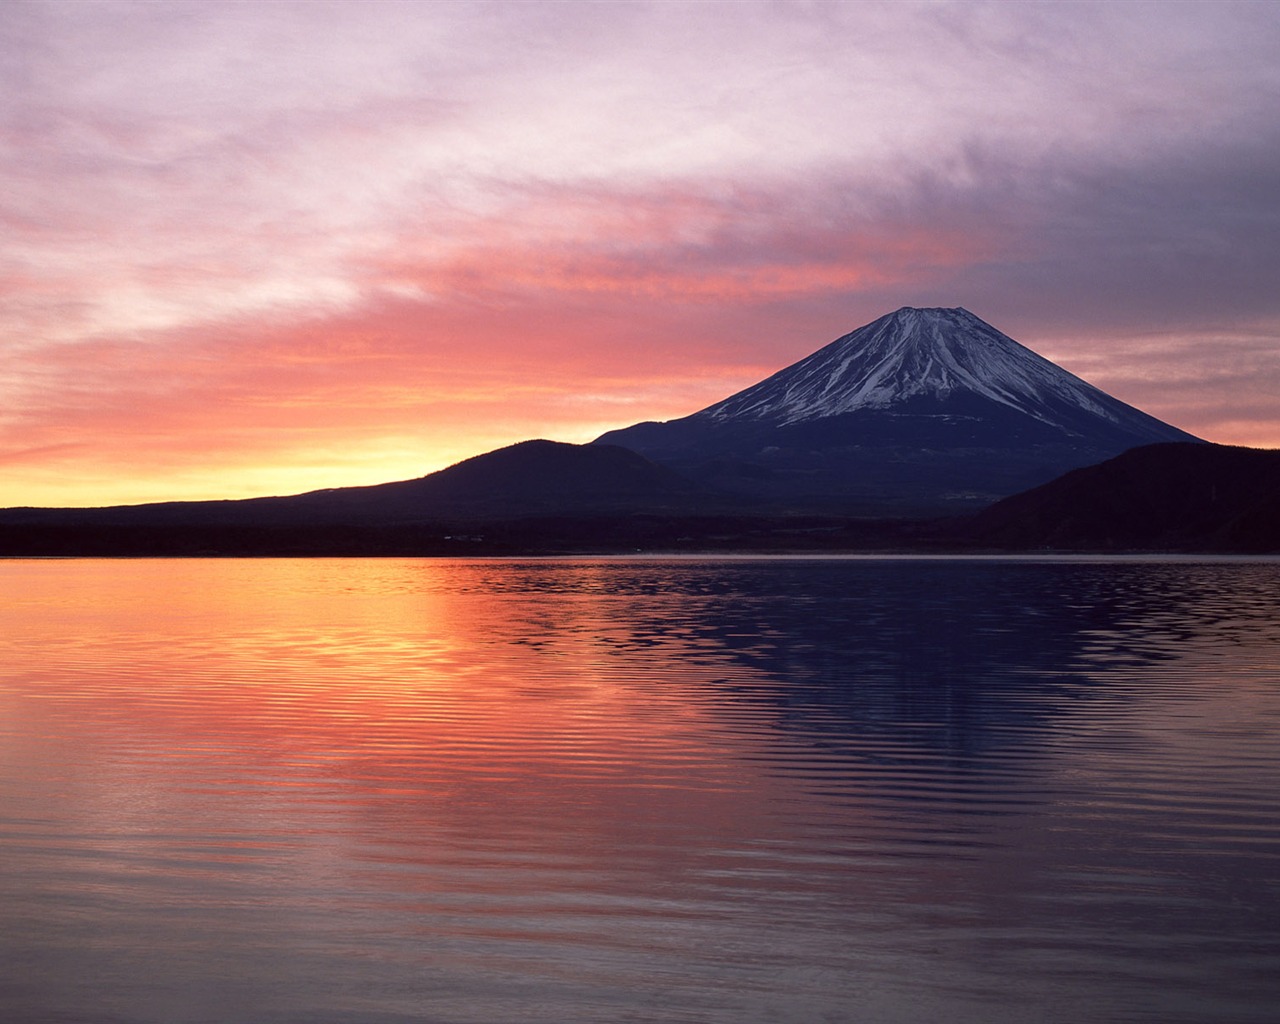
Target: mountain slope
x=526, y=479
x=921, y=411
x=529, y=478
x=1166, y=497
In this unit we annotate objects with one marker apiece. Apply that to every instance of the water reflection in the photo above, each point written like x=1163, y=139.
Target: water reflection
x=966, y=655
x=651, y=791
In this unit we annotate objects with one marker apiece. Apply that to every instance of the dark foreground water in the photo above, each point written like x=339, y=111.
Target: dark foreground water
x=620, y=791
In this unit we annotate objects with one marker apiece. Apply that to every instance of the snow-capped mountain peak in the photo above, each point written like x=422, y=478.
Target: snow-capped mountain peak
x=912, y=354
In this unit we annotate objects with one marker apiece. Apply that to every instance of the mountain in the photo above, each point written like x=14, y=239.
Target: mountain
x=535, y=496
x=921, y=412
x=1166, y=497
x=541, y=497
x=526, y=479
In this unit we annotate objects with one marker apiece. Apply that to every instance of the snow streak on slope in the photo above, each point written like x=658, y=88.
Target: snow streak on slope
x=912, y=354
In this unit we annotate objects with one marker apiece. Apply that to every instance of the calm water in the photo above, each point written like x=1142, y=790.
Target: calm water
x=853, y=790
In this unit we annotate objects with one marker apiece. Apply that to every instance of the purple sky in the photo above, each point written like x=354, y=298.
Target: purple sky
x=262, y=248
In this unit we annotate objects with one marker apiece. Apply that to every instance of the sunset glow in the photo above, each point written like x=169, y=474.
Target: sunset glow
x=267, y=248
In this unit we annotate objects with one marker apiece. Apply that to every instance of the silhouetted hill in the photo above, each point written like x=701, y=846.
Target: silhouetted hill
x=1164, y=497
x=535, y=496
x=546, y=498
x=529, y=478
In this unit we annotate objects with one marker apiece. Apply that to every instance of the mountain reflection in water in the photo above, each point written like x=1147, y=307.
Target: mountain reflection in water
x=658, y=790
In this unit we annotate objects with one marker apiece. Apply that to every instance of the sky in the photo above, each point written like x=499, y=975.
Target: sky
x=264, y=248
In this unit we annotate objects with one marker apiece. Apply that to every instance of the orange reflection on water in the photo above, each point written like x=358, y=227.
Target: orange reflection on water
x=372, y=703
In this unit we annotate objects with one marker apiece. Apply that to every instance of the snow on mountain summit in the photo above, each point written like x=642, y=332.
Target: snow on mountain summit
x=913, y=354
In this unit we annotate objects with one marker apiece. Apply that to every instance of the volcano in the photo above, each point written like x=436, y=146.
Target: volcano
x=921, y=412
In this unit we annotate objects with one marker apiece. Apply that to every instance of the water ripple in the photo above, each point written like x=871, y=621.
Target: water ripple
x=646, y=790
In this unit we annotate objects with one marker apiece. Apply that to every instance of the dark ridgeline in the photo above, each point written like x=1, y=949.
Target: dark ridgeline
x=531, y=477
x=888, y=439
x=535, y=495
x=1167, y=497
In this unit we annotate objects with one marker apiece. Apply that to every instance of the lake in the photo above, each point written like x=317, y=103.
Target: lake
x=722, y=790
